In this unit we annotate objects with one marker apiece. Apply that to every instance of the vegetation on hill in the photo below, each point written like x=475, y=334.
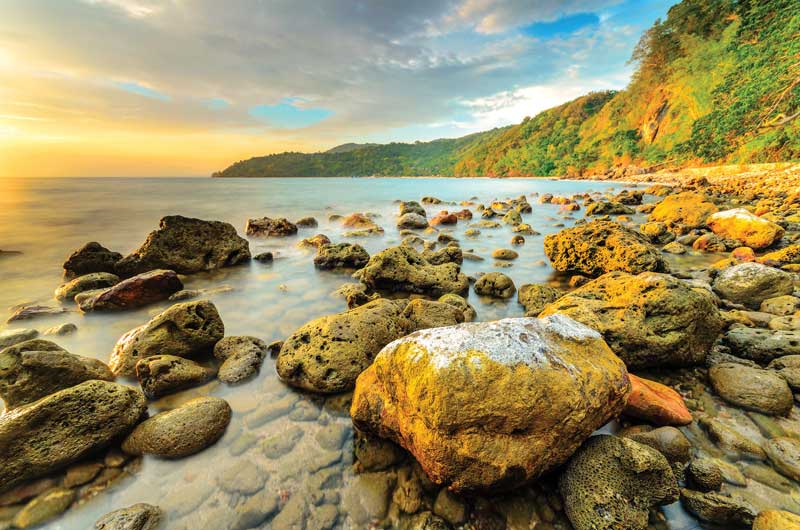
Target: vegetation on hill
x=717, y=81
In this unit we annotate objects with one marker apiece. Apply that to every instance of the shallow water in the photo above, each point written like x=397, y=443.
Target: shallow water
x=46, y=219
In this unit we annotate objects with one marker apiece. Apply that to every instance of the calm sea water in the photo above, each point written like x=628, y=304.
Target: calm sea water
x=46, y=219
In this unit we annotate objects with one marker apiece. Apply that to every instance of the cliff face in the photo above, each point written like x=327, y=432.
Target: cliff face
x=716, y=81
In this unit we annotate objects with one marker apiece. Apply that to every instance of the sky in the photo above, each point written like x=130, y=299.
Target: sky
x=186, y=87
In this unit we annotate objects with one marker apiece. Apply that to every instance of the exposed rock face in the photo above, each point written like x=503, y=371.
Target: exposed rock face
x=612, y=483
x=87, y=282
x=404, y=269
x=752, y=283
x=267, y=227
x=602, y=246
x=92, y=257
x=496, y=285
x=689, y=209
x=64, y=427
x=183, y=330
x=327, y=354
x=347, y=255
x=534, y=297
x=137, y=517
x=656, y=403
x=492, y=404
x=140, y=290
x=37, y=368
x=752, y=388
x=181, y=432
x=160, y=375
x=751, y=230
x=186, y=245
x=649, y=320
x=241, y=358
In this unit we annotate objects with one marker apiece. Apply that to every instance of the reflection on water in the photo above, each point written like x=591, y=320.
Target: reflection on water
x=294, y=450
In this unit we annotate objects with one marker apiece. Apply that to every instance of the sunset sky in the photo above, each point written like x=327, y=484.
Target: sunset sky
x=185, y=87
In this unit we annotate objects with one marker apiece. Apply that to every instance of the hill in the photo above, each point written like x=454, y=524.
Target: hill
x=717, y=81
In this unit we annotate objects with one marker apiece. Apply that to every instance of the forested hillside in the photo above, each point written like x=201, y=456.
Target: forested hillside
x=718, y=81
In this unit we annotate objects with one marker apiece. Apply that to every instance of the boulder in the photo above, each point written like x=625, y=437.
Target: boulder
x=752, y=388
x=704, y=474
x=649, y=320
x=138, y=291
x=241, y=358
x=667, y=440
x=9, y=337
x=461, y=303
x=788, y=367
x=444, y=218
x=37, y=368
x=718, y=509
x=404, y=269
x=741, y=225
x=776, y=520
x=414, y=207
x=180, y=432
x=784, y=454
x=781, y=305
x=306, y=222
x=327, y=354
x=314, y=242
x=341, y=255
x=412, y=220
x=612, y=483
x=762, y=345
x=657, y=232
x=688, y=209
x=751, y=283
x=505, y=254
x=140, y=516
x=92, y=257
x=424, y=314
x=602, y=246
x=534, y=297
x=183, y=330
x=495, y=285
x=656, y=403
x=358, y=220
x=87, y=282
x=268, y=227
x=160, y=375
x=64, y=427
x=786, y=256
x=491, y=405
x=186, y=246
x=43, y=508
x=608, y=208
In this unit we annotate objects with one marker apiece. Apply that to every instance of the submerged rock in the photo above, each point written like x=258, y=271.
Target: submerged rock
x=340, y=255
x=649, y=320
x=267, y=227
x=137, y=517
x=752, y=283
x=45, y=507
x=491, y=405
x=64, y=427
x=34, y=369
x=718, y=509
x=241, y=358
x=404, y=269
x=27, y=312
x=752, y=388
x=599, y=247
x=741, y=225
x=611, y=483
x=327, y=354
x=183, y=330
x=181, y=432
x=784, y=453
x=90, y=258
x=160, y=375
x=87, y=282
x=186, y=245
x=138, y=291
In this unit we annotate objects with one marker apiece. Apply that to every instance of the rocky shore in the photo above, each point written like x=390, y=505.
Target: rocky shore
x=653, y=384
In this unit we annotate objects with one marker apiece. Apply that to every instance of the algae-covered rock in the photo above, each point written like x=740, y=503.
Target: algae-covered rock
x=180, y=432
x=534, y=297
x=36, y=368
x=496, y=285
x=45, y=507
x=186, y=245
x=268, y=227
x=784, y=453
x=689, y=209
x=424, y=314
x=611, y=483
x=718, y=509
x=776, y=520
x=741, y=225
x=327, y=353
x=412, y=220
x=460, y=302
x=752, y=283
x=347, y=255
x=241, y=358
x=404, y=269
x=762, y=345
x=183, y=330
x=160, y=375
x=752, y=388
x=491, y=405
x=602, y=246
x=668, y=441
x=64, y=427
x=90, y=258
x=608, y=208
x=87, y=282
x=649, y=320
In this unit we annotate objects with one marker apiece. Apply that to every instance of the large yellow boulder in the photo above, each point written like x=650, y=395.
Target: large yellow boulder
x=688, y=208
x=753, y=231
x=776, y=520
x=491, y=405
